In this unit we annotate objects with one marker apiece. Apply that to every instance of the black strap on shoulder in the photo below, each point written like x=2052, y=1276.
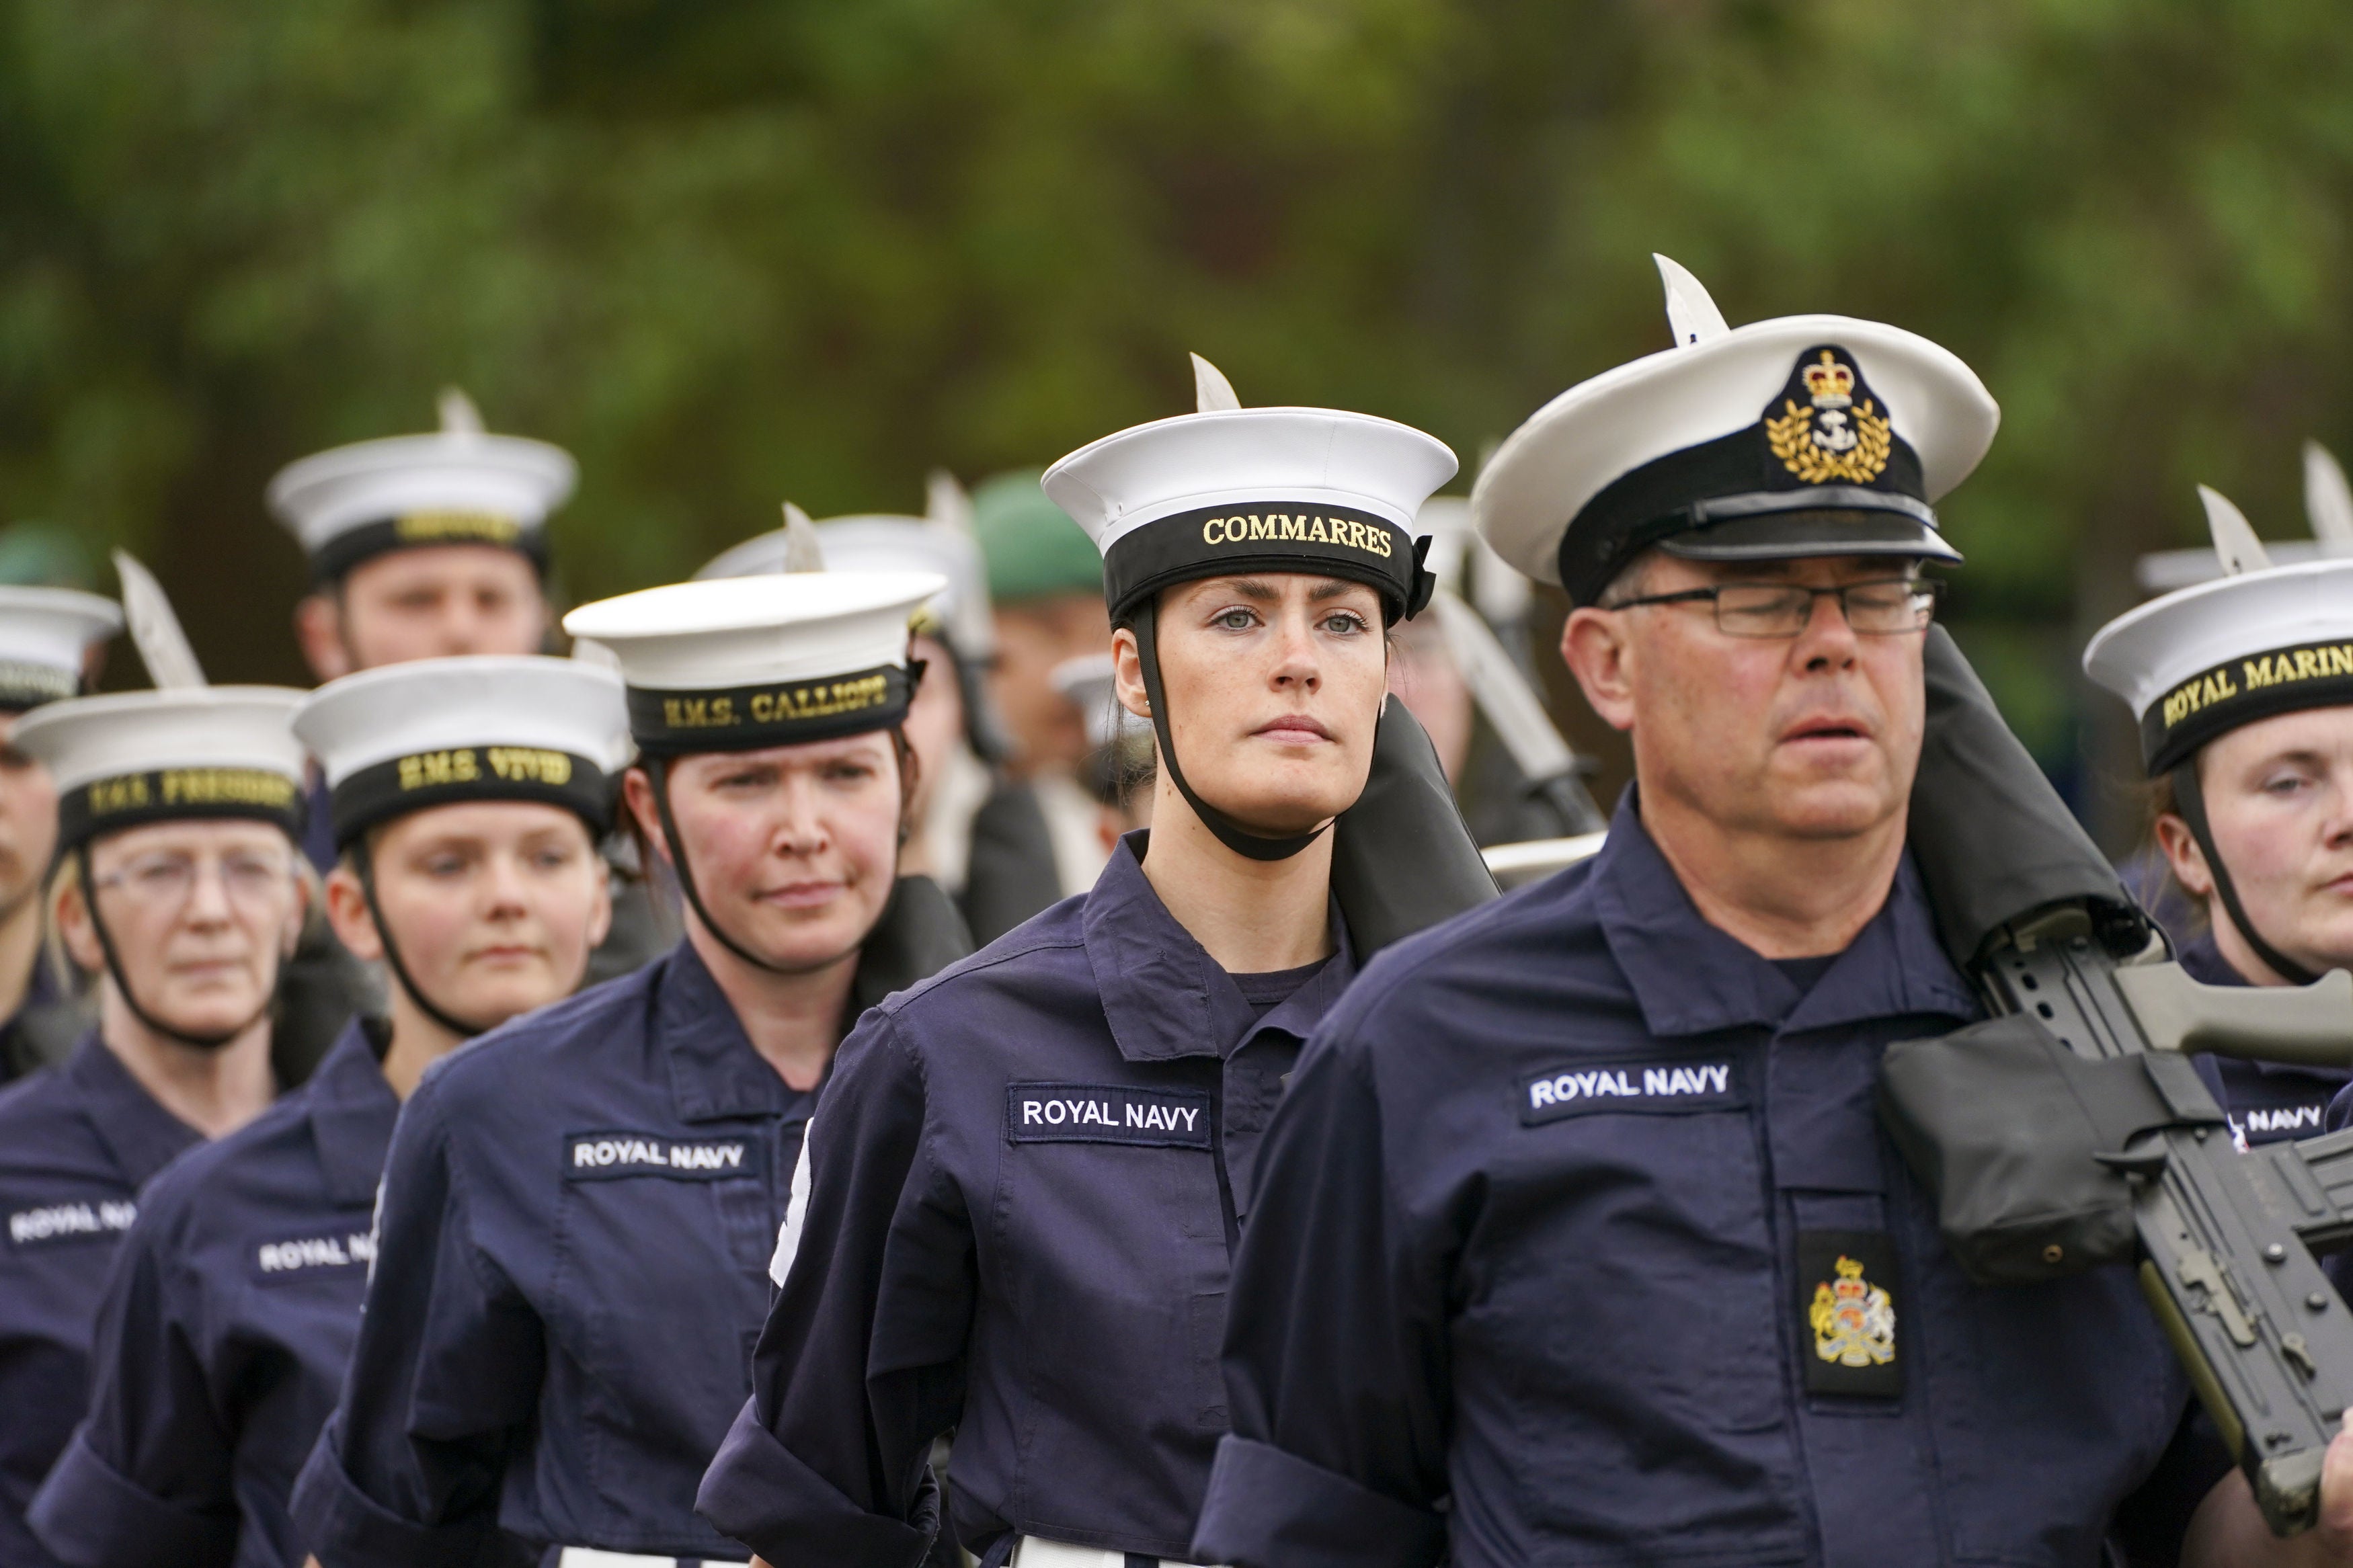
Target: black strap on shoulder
x=1231, y=834
x=205, y=1042
x=363, y=862
x=2190, y=800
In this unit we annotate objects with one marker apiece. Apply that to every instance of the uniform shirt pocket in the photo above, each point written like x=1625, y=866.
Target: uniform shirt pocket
x=1623, y=1313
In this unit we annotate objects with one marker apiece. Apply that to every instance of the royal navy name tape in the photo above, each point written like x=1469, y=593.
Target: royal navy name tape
x=611, y=1156
x=313, y=1254
x=85, y=1220
x=1654, y=1088
x=2282, y=1119
x=1107, y=1113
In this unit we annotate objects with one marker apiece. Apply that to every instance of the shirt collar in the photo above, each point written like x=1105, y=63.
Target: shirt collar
x=714, y=1073
x=1690, y=978
x=352, y=1109
x=2203, y=960
x=139, y=1135
x=1162, y=992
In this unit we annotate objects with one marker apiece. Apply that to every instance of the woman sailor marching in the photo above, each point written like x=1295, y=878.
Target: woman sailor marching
x=2244, y=687
x=468, y=798
x=577, y=1209
x=177, y=883
x=1028, y=1174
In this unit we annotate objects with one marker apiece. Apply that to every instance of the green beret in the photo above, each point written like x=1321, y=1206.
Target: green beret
x=1033, y=549
x=43, y=555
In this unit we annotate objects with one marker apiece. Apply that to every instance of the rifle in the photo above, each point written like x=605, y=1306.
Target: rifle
x=2030, y=910
x=1556, y=775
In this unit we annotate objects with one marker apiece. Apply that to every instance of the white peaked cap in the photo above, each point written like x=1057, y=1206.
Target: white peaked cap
x=884, y=542
x=1713, y=382
x=477, y=701
x=2257, y=641
x=121, y=732
x=43, y=634
x=458, y=469
x=747, y=631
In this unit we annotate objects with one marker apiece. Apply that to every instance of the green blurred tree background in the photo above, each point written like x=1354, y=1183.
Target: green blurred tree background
x=730, y=251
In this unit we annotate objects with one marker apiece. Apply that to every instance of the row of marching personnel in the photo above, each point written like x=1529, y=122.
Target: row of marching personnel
x=1264, y=1190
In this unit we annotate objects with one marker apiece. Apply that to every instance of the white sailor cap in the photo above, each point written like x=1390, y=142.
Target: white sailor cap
x=437, y=730
x=940, y=542
x=2328, y=506
x=1799, y=435
x=734, y=664
x=44, y=635
x=1231, y=489
x=129, y=758
x=2258, y=640
x=457, y=485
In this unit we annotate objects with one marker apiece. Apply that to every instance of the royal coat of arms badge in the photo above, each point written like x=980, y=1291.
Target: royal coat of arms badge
x=1853, y=1320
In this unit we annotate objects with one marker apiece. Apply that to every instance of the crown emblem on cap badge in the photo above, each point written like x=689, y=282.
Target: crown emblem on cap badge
x=1829, y=437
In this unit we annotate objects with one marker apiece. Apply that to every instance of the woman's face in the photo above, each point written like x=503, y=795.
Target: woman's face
x=2279, y=799
x=200, y=914
x=494, y=905
x=1274, y=684
x=794, y=848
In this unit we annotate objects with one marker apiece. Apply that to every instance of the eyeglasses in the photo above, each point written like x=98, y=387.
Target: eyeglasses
x=169, y=881
x=1783, y=610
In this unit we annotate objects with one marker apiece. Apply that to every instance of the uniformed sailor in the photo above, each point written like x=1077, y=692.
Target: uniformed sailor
x=178, y=883
x=952, y=725
x=579, y=1207
x=2243, y=689
x=421, y=547
x=1577, y=1239
x=1028, y=1174
x=468, y=795
x=436, y=546
x=47, y=635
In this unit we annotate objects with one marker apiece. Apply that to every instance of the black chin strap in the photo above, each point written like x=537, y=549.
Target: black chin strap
x=364, y=864
x=205, y=1042
x=658, y=775
x=1231, y=834
x=2191, y=802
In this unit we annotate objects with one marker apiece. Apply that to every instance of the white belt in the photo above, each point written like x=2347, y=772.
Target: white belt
x=590, y=1557
x=1037, y=1551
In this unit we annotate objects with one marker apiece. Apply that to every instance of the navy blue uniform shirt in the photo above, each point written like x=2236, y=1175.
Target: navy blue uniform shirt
x=222, y=1339
x=1025, y=1185
x=1577, y=1241
x=573, y=1240
x=2266, y=1101
x=76, y=1146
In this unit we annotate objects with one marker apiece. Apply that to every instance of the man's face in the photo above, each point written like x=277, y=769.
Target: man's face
x=1815, y=736
x=429, y=602
x=1032, y=637
x=29, y=820
x=935, y=724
